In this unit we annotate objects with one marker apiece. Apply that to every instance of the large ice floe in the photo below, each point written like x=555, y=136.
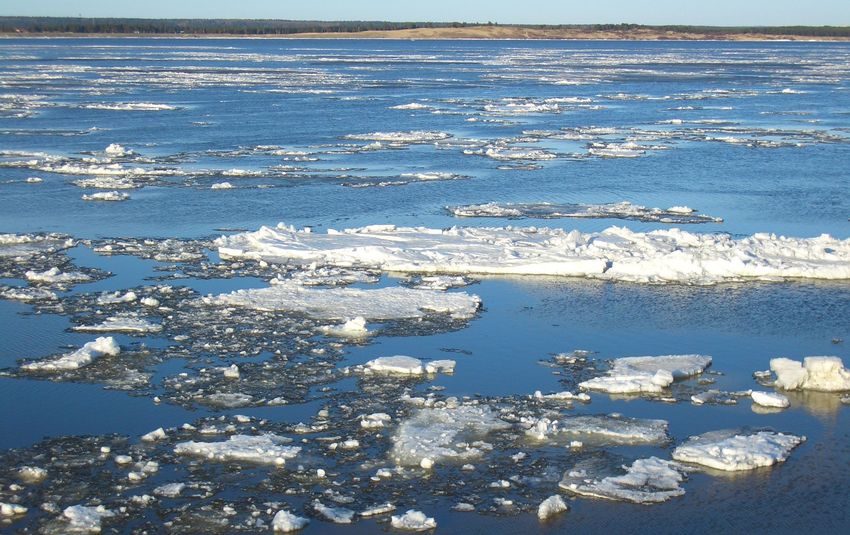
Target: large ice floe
x=449, y=434
x=76, y=359
x=647, y=375
x=24, y=245
x=617, y=253
x=593, y=429
x=129, y=323
x=646, y=481
x=826, y=374
x=345, y=303
x=734, y=450
x=620, y=210
x=262, y=449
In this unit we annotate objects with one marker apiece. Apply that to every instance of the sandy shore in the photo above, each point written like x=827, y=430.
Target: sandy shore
x=483, y=32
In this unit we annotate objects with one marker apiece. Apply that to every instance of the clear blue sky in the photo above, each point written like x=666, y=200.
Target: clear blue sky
x=707, y=12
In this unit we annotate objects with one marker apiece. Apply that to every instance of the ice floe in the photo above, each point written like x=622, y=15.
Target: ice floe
x=404, y=365
x=601, y=429
x=76, y=359
x=826, y=374
x=550, y=507
x=261, y=449
x=55, y=276
x=731, y=451
x=770, y=399
x=11, y=509
x=661, y=256
x=637, y=375
x=24, y=245
x=450, y=434
x=345, y=303
x=413, y=136
x=413, y=520
x=646, y=481
x=106, y=196
x=337, y=515
x=128, y=106
x=129, y=323
x=621, y=210
x=85, y=519
x=350, y=328
x=286, y=522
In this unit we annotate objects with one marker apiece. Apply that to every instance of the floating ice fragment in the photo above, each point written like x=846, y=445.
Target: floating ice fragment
x=404, y=365
x=231, y=372
x=660, y=256
x=155, y=435
x=222, y=185
x=562, y=396
x=106, y=196
x=129, y=323
x=444, y=434
x=826, y=374
x=375, y=420
x=262, y=449
x=337, y=515
x=413, y=136
x=11, y=509
x=378, y=510
x=342, y=303
x=727, y=450
x=770, y=399
x=599, y=429
x=116, y=150
x=31, y=474
x=55, y=276
x=116, y=298
x=353, y=328
x=285, y=522
x=551, y=506
x=169, y=490
x=413, y=520
x=632, y=375
x=651, y=480
x=77, y=359
x=85, y=519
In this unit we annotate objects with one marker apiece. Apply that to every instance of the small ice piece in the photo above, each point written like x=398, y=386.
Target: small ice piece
x=123, y=459
x=375, y=420
x=85, y=519
x=599, y=429
x=117, y=298
x=76, y=359
x=464, y=507
x=11, y=509
x=150, y=302
x=353, y=328
x=262, y=449
x=413, y=520
x=155, y=435
x=285, y=522
x=169, y=490
x=651, y=480
x=562, y=396
x=728, y=450
x=826, y=374
x=770, y=399
x=231, y=372
x=426, y=463
x=647, y=375
x=444, y=434
x=378, y=510
x=551, y=506
x=34, y=180
x=337, y=515
x=32, y=474
x=442, y=366
x=116, y=150
x=113, y=196
x=413, y=136
x=222, y=185
x=55, y=276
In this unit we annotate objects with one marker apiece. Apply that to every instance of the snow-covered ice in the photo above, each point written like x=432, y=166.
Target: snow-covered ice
x=645, y=481
x=617, y=253
x=826, y=374
x=405, y=365
x=350, y=328
x=85, y=519
x=337, y=515
x=76, y=359
x=550, y=507
x=129, y=323
x=11, y=509
x=413, y=520
x=601, y=429
x=413, y=136
x=731, y=451
x=619, y=210
x=285, y=522
x=55, y=276
x=106, y=196
x=261, y=449
x=343, y=303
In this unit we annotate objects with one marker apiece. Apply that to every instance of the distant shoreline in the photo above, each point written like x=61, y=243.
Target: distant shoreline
x=467, y=33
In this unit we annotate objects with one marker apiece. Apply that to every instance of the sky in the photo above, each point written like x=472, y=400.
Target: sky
x=693, y=12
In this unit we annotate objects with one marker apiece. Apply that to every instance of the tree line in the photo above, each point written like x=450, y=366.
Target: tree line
x=79, y=25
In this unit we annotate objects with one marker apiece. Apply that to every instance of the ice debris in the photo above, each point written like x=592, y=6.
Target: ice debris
x=285, y=522
x=337, y=515
x=55, y=276
x=76, y=359
x=617, y=253
x=11, y=509
x=113, y=196
x=770, y=399
x=404, y=365
x=550, y=507
x=85, y=519
x=826, y=374
x=731, y=451
x=620, y=210
x=603, y=429
x=129, y=323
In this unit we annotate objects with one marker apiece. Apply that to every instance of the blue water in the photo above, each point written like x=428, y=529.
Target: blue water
x=227, y=97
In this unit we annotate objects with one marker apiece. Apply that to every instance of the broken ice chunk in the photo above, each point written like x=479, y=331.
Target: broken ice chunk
x=826, y=374
x=551, y=506
x=770, y=399
x=413, y=520
x=337, y=515
x=85, y=519
x=599, y=429
x=651, y=480
x=353, y=328
x=636, y=375
x=263, y=449
x=728, y=450
x=285, y=522
x=76, y=359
